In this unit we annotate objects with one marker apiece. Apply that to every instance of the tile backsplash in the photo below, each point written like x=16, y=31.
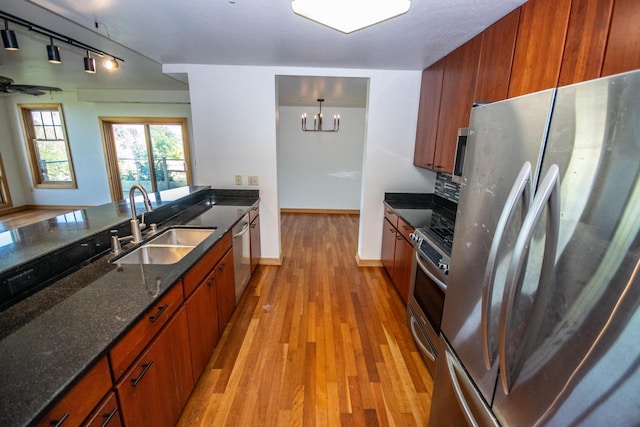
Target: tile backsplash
x=446, y=188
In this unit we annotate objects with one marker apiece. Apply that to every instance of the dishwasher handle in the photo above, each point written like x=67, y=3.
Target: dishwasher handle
x=245, y=228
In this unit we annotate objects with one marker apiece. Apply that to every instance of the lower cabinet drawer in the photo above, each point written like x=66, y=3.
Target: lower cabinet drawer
x=107, y=414
x=81, y=400
x=155, y=389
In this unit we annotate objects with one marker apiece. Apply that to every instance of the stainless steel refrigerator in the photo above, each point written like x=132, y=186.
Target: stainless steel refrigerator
x=541, y=323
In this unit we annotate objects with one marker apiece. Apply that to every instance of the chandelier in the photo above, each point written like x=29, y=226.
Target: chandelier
x=317, y=121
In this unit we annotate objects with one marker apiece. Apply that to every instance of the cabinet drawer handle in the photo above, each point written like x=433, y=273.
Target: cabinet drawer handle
x=222, y=267
x=211, y=281
x=399, y=237
x=253, y=225
x=107, y=417
x=145, y=368
x=59, y=422
x=161, y=310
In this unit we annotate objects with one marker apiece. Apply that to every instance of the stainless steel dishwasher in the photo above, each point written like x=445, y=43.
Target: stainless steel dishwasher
x=241, y=255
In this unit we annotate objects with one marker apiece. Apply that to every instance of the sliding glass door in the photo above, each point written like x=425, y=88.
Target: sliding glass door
x=152, y=153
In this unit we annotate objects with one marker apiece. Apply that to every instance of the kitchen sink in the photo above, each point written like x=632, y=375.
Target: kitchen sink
x=168, y=247
x=181, y=237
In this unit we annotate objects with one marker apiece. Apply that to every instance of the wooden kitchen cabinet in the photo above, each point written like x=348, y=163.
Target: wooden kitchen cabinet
x=622, y=52
x=256, y=253
x=208, y=304
x=202, y=319
x=79, y=402
x=584, y=47
x=155, y=389
x=226, y=289
x=496, y=57
x=428, y=111
x=397, y=253
x=446, y=97
x=125, y=351
x=402, y=266
x=458, y=89
x=539, y=46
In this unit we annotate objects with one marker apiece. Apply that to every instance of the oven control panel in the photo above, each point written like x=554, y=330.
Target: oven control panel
x=429, y=251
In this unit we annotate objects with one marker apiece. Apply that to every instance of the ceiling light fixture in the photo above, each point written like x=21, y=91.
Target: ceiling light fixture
x=9, y=37
x=348, y=16
x=317, y=121
x=89, y=64
x=53, y=52
x=110, y=64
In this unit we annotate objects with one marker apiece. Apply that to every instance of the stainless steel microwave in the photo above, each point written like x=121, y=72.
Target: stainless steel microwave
x=461, y=148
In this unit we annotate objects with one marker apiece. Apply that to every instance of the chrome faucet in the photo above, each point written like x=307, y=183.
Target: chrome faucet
x=136, y=226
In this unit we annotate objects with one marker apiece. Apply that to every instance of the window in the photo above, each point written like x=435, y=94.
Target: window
x=5, y=197
x=152, y=152
x=49, y=155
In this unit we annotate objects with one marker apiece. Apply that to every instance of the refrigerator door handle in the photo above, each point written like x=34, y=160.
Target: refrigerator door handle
x=521, y=189
x=548, y=194
x=453, y=368
x=426, y=271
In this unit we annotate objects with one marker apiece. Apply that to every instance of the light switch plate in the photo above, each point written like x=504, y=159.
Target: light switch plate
x=253, y=180
x=238, y=179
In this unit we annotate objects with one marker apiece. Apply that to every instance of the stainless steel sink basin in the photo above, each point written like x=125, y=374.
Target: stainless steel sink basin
x=168, y=247
x=181, y=237
x=155, y=255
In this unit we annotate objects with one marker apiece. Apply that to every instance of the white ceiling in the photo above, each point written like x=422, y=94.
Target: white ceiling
x=234, y=32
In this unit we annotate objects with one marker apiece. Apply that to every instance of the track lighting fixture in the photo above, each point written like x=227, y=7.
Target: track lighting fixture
x=89, y=64
x=110, y=64
x=9, y=37
x=53, y=52
x=317, y=121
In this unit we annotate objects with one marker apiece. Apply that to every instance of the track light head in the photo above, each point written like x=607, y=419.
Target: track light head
x=53, y=52
x=110, y=64
x=9, y=39
x=89, y=64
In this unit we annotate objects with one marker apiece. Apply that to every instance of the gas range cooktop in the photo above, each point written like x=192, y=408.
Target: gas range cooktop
x=440, y=230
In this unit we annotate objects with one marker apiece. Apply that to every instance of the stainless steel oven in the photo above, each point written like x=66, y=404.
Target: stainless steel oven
x=426, y=295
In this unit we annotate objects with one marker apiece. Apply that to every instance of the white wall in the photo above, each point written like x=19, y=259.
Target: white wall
x=320, y=170
x=10, y=158
x=85, y=143
x=234, y=132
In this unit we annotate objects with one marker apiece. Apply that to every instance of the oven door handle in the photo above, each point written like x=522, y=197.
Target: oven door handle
x=431, y=354
x=426, y=271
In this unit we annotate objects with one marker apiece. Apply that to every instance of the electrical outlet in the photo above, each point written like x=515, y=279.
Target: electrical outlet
x=253, y=180
x=238, y=179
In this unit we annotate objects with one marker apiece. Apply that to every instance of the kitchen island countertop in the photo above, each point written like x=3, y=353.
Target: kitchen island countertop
x=54, y=336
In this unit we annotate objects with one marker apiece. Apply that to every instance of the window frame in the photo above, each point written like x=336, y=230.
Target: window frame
x=30, y=138
x=5, y=194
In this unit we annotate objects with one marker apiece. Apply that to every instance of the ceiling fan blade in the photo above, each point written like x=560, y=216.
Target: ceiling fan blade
x=24, y=88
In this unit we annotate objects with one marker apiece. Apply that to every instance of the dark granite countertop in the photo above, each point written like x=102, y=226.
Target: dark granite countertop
x=52, y=337
x=417, y=208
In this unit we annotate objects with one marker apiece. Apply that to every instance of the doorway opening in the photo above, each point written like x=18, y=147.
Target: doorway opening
x=320, y=171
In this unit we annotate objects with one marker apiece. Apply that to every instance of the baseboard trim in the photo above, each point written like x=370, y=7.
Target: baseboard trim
x=10, y=210
x=321, y=211
x=368, y=262
x=270, y=261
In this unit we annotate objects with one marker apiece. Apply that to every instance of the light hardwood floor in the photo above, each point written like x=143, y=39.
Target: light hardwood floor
x=315, y=341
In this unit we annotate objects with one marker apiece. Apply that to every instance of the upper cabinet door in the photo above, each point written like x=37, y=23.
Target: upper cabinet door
x=496, y=57
x=586, y=40
x=539, y=46
x=622, y=52
x=458, y=87
x=430, y=93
